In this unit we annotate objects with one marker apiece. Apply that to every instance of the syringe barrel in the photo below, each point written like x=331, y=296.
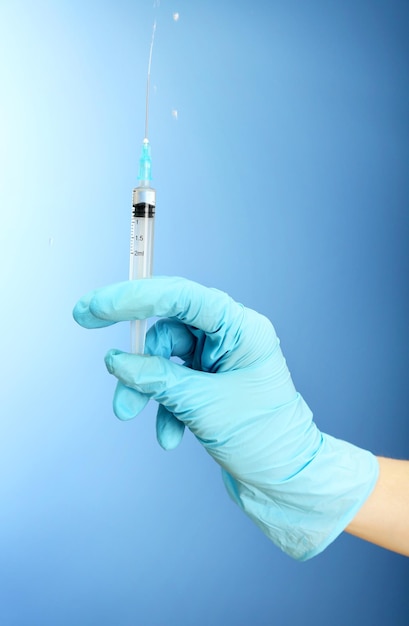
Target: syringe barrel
x=141, y=254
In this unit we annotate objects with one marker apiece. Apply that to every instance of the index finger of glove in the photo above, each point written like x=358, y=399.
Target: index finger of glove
x=205, y=308
x=83, y=316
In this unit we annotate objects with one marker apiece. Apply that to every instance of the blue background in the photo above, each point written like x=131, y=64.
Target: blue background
x=283, y=181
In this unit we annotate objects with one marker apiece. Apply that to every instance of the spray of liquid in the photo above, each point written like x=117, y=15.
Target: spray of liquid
x=148, y=81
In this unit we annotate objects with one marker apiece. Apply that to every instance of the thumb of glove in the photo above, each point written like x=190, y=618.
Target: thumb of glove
x=172, y=385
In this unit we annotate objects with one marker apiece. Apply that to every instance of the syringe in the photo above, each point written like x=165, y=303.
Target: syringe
x=142, y=221
x=142, y=231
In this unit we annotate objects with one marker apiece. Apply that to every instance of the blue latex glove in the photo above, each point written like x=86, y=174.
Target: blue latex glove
x=235, y=393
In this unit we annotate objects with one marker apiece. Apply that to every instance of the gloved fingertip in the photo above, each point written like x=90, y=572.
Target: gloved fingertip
x=125, y=411
x=169, y=441
x=110, y=358
x=169, y=430
x=127, y=402
x=81, y=313
x=78, y=311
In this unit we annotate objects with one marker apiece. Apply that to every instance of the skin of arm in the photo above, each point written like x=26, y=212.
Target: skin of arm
x=384, y=517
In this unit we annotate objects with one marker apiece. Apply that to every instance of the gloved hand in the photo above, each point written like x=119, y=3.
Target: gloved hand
x=235, y=393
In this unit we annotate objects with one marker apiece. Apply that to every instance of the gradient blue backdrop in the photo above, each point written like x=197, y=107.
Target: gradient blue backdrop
x=283, y=181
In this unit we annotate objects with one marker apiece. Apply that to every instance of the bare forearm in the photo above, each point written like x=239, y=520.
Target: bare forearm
x=384, y=518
